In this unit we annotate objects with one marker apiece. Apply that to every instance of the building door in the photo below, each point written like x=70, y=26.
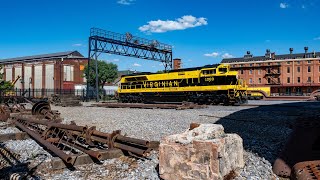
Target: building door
x=38, y=80
x=298, y=91
x=288, y=90
x=49, y=79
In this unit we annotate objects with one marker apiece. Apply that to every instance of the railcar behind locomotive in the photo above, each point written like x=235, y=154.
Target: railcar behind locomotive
x=211, y=84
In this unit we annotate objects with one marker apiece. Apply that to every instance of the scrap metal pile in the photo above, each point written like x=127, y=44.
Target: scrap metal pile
x=65, y=100
x=69, y=141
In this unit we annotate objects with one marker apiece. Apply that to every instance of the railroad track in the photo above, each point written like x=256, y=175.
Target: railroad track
x=151, y=106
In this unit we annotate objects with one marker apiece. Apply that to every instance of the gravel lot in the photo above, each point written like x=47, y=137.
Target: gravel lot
x=264, y=130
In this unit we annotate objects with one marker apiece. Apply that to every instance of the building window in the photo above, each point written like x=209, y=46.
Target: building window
x=298, y=62
x=309, y=62
x=259, y=71
x=298, y=69
x=308, y=90
x=288, y=69
x=260, y=80
x=279, y=80
x=288, y=79
x=68, y=73
x=250, y=71
x=288, y=62
x=319, y=79
x=241, y=65
x=309, y=79
x=269, y=81
x=241, y=71
x=309, y=68
x=250, y=80
x=279, y=70
x=251, y=65
x=259, y=64
x=319, y=68
x=298, y=80
x=279, y=63
x=269, y=63
x=233, y=65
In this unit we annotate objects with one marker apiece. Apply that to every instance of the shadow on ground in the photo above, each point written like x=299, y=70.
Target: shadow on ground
x=265, y=129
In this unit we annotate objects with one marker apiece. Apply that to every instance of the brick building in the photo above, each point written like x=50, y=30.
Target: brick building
x=47, y=71
x=287, y=74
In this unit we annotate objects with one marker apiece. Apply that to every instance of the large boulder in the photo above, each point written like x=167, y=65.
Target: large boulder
x=204, y=152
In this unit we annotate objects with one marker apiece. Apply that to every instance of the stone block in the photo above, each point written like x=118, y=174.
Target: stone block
x=205, y=152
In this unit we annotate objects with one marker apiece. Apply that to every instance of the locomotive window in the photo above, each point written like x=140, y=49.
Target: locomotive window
x=142, y=78
x=212, y=71
x=222, y=70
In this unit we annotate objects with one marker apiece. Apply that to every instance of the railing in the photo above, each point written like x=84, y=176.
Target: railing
x=46, y=93
x=129, y=38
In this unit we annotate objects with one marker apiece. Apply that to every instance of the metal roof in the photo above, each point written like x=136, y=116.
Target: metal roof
x=67, y=54
x=276, y=57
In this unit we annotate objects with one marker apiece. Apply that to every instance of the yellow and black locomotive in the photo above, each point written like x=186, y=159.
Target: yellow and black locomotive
x=211, y=84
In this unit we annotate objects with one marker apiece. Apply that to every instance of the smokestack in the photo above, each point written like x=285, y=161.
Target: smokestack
x=291, y=50
x=268, y=51
x=176, y=63
x=306, y=50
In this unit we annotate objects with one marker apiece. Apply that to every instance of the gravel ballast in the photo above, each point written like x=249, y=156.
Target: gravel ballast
x=264, y=130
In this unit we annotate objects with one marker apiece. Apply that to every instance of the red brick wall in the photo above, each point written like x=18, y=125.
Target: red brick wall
x=293, y=74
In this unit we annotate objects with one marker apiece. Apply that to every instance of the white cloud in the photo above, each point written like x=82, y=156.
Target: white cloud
x=77, y=45
x=189, y=60
x=136, y=65
x=125, y=2
x=317, y=38
x=284, y=5
x=160, y=26
x=268, y=40
x=227, y=55
x=116, y=60
x=214, y=54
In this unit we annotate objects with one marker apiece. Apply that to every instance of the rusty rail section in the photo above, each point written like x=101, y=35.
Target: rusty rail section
x=151, y=106
x=302, y=146
x=306, y=170
x=40, y=109
x=69, y=140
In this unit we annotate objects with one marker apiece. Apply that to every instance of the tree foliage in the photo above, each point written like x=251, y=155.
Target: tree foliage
x=107, y=72
x=4, y=85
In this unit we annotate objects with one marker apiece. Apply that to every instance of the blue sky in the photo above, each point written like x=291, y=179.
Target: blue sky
x=201, y=31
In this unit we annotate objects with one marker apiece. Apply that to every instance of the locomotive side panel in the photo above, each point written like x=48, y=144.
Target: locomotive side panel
x=207, y=85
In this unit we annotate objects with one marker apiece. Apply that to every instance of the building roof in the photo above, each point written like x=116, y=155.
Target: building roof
x=272, y=56
x=67, y=54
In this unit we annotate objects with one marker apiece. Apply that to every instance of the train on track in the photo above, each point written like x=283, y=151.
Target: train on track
x=211, y=84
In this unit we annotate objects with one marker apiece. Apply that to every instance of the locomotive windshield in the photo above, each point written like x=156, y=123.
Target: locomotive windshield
x=223, y=70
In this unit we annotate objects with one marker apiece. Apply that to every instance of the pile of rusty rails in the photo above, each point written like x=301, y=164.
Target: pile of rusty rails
x=41, y=109
x=300, y=157
x=65, y=100
x=182, y=106
x=62, y=138
x=285, y=98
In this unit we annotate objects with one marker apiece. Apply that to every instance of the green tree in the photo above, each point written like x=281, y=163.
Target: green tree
x=4, y=85
x=107, y=72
